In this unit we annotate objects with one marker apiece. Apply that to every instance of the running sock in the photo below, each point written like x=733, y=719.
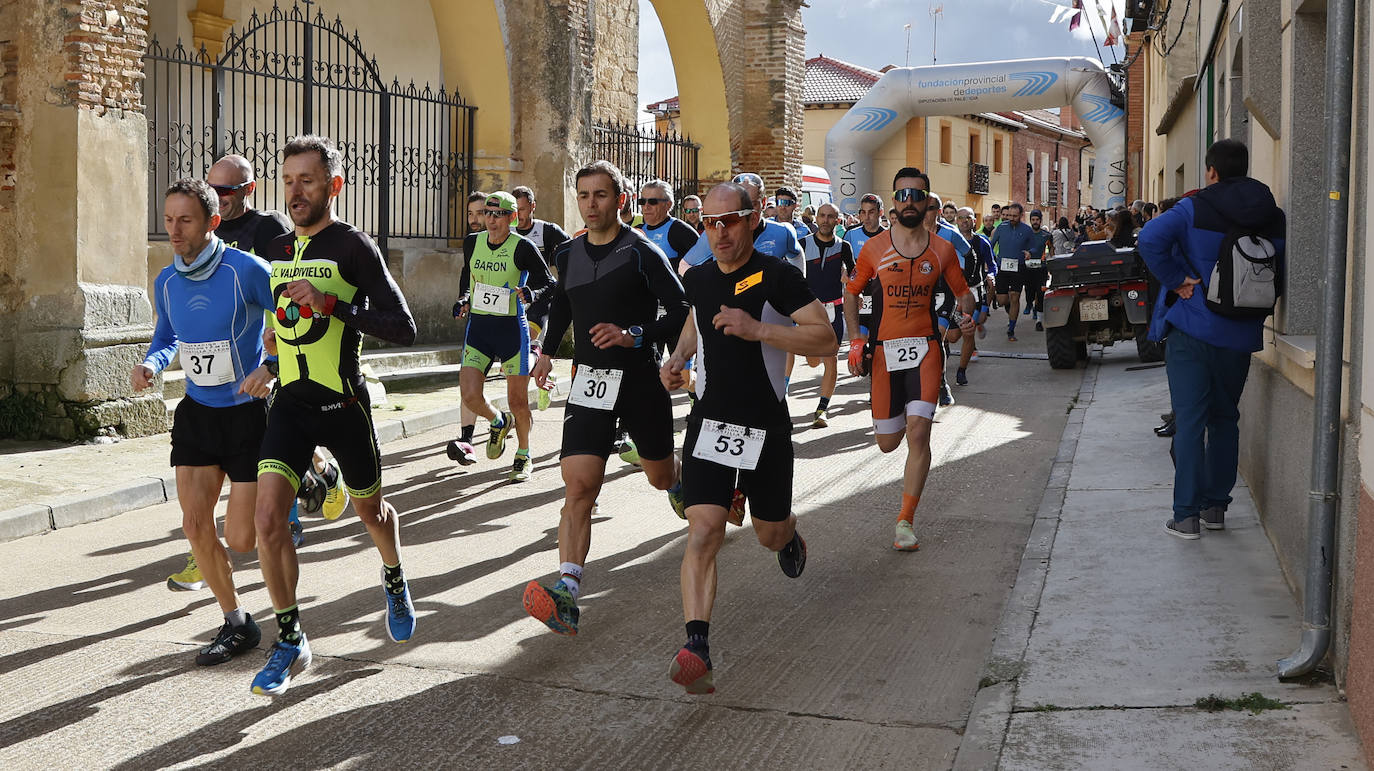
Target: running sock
x=525, y=451
x=236, y=617
x=289, y=625
x=468, y=431
x=571, y=578
x=295, y=514
x=908, y=508
x=697, y=632
x=825, y=403
x=393, y=579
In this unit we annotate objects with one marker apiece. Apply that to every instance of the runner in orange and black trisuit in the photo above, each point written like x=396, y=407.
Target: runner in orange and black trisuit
x=908, y=359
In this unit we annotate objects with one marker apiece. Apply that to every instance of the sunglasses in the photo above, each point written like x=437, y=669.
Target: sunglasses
x=786, y=202
x=725, y=220
x=497, y=212
x=910, y=194
x=654, y=201
x=228, y=189
x=690, y=211
x=748, y=179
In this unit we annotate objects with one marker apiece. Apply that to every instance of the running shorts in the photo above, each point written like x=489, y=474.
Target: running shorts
x=228, y=437
x=643, y=408
x=906, y=392
x=498, y=338
x=1010, y=281
x=295, y=427
x=768, y=487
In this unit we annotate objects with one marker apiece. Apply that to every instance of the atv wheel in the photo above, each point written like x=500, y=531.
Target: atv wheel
x=1059, y=344
x=1148, y=350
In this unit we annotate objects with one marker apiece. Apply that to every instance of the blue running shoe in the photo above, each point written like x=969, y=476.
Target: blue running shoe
x=284, y=662
x=400, y=612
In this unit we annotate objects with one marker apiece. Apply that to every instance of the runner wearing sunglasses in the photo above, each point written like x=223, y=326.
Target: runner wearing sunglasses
x=772, y=238
x=670, y=234
x=908, y=359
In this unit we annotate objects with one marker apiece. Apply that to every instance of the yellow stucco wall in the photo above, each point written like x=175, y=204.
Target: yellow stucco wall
x=700, y=81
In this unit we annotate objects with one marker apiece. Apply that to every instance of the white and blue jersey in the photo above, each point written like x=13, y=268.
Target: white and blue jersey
x=675, y=237
x=857, y=237
x=774, y=239
x=216, y=324
x=955, y=238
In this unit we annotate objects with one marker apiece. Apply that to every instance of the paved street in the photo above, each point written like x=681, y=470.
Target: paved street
x=871, y=659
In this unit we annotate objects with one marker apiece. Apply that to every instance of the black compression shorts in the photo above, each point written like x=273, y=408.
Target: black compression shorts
x=295, y=427
x=644, y=409
x=228, y=437
x=768, y=487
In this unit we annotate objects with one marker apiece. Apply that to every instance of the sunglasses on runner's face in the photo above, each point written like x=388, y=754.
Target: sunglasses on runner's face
x=497, y=212
x=786, y=202
x=690, y=211
x=230, y=189
x=725, y=220
x=910, y=194
x=653, y=201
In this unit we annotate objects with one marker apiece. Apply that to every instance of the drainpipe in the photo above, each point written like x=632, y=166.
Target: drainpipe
x=1326, y=429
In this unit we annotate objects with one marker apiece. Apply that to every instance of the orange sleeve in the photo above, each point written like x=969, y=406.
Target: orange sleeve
x=864, y=269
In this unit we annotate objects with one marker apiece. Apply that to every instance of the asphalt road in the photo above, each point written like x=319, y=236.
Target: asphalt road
x=870, y=659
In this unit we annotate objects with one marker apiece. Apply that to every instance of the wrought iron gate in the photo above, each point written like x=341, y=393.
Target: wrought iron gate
x=643, y=155
x=407, y=151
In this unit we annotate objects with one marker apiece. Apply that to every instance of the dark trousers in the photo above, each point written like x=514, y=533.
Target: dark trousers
x=1205, y=384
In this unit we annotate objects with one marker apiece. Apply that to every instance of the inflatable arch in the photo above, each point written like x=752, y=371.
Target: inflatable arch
x=949, y=89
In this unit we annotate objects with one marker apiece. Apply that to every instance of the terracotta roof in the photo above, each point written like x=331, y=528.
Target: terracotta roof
x=831, y=81
x=667, y=105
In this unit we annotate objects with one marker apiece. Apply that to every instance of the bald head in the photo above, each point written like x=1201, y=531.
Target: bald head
x=232, y=179
x=827, y=217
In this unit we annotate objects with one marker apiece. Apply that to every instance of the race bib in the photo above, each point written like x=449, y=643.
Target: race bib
x=940, y=300
x=1034, y=264
x=491, y=299
x=866, y=304
x=729, y=445
x=595, y=388
x=830, y=312
x=208, y=364
x=904, y=352
x=1010, y=265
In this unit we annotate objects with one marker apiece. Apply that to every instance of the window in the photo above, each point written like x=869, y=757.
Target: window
x=975, y=146
x=997, y=154
x=946, y=142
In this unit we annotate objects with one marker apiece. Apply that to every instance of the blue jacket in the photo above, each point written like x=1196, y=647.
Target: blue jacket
x=776, y=239
x=1183, y=242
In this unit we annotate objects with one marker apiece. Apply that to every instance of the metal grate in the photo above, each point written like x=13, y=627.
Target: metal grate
x=977, y=179
x=643, y=155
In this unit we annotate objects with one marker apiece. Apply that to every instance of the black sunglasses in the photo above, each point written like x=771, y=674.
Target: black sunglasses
x=654, y=201
x=910, y=194
x=227, y=189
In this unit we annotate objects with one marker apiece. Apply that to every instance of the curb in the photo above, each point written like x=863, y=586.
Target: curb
x=143, y=491
x=990, y=716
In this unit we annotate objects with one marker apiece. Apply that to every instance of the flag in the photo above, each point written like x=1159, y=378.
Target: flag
x=1077, y=15
x=1114, y=31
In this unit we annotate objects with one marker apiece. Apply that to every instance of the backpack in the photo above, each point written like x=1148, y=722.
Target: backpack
x=1247, y=280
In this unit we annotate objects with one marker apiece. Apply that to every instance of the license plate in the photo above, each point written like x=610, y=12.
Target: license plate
x=1092, y=310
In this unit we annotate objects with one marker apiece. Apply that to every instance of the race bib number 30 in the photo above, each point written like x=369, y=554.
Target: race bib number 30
x=904, y=352
x=491, y=299
x=596, y=388
x=208, y=364
x=729, y=444
x=1010, y=265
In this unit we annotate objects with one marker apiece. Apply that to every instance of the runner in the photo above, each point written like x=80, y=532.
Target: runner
x=545, y=236
x=869, y=225
x=1036, y=272
x=979, y=274
x=671, y=235
x=747, y=311
x=503, y=275
x=772, y=238
x=331, y=287
x=613, y=283
x=829, y=261
x=906, y=367
x=210, y=306
x=461, y=449
x=786, y=201
x=691, y=213
x=1011, y=243
x=945, y=304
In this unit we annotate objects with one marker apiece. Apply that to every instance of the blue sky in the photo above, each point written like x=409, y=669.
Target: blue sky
x=870, y=33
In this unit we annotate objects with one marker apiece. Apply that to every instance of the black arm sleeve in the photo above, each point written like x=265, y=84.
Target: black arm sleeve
x=665, y=286
x=560, y=310
x=682, y=237
x=528, y=259
x=847, y=256
x=554, y=237
x=378, y=309
x=465, y=278
x=273, y=225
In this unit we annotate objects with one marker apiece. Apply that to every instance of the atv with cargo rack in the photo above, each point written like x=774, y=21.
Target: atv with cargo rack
x=1098, y=294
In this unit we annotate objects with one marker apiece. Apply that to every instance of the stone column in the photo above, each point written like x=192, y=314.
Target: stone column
x=73, y=141
x=772, y=125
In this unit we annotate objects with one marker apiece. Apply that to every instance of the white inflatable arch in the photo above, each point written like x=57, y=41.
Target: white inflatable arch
x=959, y=89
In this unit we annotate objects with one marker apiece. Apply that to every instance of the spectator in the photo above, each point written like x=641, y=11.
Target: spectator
x=1063, y=237
x=1121, y=230
x=1208, y=356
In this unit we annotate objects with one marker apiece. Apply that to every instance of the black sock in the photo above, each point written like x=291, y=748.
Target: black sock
x=825, y=403
x=289, y=625
x=466, y=436
x=696, y=635
x=394, y=579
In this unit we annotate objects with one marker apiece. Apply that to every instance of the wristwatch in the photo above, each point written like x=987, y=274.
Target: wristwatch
x=637, y=332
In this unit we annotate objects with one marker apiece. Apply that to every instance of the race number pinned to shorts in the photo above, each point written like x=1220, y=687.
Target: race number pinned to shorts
x=1010, y=265
x=1034, y=264
x=596, y=388
x=866, y=304
x=830, y=312
x=905, y=352
x=208, y=364
x=729, y=444
x=491, y=299
x=939, y=299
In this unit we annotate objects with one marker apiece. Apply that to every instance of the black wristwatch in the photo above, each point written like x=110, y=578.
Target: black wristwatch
x=637, y=332
x=272, y=367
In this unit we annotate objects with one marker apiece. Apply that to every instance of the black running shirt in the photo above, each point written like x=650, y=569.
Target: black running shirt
x=545, y=236
x=741, y=381
x=253, y=231
x=827, y=262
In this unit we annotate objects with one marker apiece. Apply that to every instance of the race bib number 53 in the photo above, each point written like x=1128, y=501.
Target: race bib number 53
x=208, y=364
x=905, y=352
x=596, y=388
x=729, y=444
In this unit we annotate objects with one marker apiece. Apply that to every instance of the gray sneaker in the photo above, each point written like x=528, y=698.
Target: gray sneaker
x=1187, y=528
x=1213, y=518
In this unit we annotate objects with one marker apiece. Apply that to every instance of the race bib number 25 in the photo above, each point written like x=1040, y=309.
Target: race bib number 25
x=905, y=352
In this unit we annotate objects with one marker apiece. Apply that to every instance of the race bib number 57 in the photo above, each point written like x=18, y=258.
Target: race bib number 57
x=491, y=299
x=729, y=445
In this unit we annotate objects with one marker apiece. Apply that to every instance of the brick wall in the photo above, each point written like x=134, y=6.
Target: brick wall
x=1045, y=142
x=1135, y=119
x=104, y=47
x=774, y=48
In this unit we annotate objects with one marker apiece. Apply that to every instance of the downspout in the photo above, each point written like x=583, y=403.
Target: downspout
x=1326, y=429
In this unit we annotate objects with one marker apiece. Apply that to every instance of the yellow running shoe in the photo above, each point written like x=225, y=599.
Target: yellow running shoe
x=335, y=497
x=189, y=579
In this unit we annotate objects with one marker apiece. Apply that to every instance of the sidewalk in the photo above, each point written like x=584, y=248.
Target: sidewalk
x=48, y=485
x=1115, y=630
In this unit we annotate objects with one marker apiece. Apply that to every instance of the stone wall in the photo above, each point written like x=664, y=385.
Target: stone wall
x=615, y=52
x=773, y=44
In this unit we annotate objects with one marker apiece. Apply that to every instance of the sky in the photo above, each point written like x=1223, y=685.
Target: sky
x=870, y=33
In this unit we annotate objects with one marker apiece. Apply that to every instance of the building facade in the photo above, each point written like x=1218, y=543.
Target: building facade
x=1048, y=169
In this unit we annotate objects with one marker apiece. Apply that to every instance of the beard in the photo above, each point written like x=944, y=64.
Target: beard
x=314, y=212
x=911, y=219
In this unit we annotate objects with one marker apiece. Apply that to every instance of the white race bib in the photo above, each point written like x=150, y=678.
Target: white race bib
x=905, y=352
x=939, y=300
x=595, y=388
x=208, y=364
x=1010, y=265
x=729, y=444
x=1034, y=264
x=866, y=304
x=491, y=299
x=830, y=312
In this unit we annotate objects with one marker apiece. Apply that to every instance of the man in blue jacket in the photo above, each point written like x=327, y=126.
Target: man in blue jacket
x=1208, y=356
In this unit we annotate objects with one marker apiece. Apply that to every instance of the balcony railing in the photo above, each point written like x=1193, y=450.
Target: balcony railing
x=977, y=179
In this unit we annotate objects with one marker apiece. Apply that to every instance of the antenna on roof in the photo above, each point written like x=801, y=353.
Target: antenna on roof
x=907, y=27
x=936, y=11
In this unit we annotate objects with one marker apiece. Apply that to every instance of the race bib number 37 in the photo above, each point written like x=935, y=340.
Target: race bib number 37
x=904, y=352
x=729, y=444
x=208, y=364
x=491, y=299
x=596, y=388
